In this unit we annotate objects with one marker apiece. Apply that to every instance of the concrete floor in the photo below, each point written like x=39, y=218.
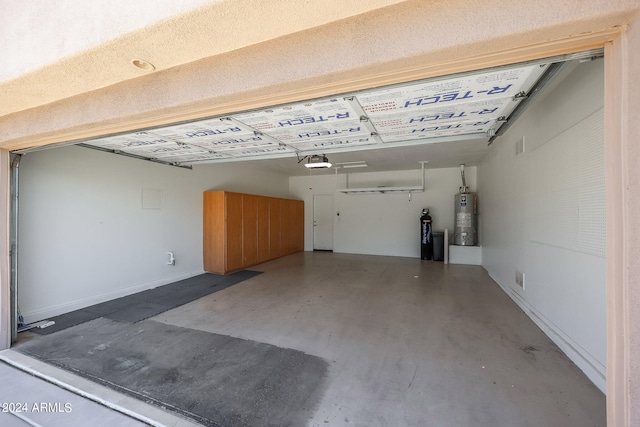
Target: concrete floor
x=28, y=401
x=410, y=342
x=27, y=380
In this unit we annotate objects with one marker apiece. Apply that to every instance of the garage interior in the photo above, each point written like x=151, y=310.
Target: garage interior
x=513, y=334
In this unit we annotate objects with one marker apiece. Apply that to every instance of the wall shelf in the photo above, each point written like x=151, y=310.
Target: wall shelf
x=385, y=189
x=381, y=190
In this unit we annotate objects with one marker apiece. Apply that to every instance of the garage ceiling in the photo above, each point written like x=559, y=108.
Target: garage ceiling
x=463, y=110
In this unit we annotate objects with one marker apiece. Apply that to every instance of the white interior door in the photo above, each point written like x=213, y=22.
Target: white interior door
x=323, y=222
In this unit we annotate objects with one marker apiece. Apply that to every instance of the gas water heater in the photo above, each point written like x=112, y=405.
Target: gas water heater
x=466, y=221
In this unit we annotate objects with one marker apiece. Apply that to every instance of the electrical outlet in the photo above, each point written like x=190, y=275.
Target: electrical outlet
x=520, y=279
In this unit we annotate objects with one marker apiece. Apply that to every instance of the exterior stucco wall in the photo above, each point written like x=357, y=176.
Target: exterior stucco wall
x=395, y=43
x=631, y=156
x=391, y=41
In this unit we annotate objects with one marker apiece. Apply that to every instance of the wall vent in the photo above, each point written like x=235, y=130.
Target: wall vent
x=520, y=146
x=520, y=279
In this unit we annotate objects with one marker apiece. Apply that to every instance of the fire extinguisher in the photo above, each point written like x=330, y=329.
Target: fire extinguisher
x=426, y=239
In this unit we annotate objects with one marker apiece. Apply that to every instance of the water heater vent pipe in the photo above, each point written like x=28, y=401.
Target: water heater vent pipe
x=463, y=189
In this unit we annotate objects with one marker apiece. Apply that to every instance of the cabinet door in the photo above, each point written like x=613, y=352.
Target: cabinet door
x=288, y=227
x=213, y=235
x=274, y=228
x=233, y=218
x=249, y=230
x=263, y=229
x=292, y=226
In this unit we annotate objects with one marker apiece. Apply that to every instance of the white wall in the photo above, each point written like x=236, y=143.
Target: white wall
x=382, y=224
x=543, y=213
x=85, y=238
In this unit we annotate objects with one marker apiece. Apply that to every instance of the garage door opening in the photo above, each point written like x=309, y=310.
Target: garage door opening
x=85, y=221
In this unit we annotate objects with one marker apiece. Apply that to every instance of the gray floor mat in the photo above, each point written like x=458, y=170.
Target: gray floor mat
x=137, y=312
x=215, y=379
x=142, y=305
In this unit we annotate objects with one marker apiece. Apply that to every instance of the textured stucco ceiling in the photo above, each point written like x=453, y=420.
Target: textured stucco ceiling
x=34, y=36
x=74, y=47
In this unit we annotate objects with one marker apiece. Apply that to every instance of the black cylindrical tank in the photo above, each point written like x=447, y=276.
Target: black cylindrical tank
x=426, y=238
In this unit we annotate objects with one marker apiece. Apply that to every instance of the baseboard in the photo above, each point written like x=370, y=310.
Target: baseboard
x=56, y=310
x=591, y=367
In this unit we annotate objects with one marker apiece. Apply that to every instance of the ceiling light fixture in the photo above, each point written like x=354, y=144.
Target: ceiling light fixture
x=317, y=162
x=349, y=165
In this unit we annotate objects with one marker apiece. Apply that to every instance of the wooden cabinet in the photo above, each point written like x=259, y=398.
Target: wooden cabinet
x=233, y=233
x=249, y=229
x=274, y=228
x=241, y=230
x=263, y=229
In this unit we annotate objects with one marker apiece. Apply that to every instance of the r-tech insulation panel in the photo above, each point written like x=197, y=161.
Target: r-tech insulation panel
x=467, y=106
